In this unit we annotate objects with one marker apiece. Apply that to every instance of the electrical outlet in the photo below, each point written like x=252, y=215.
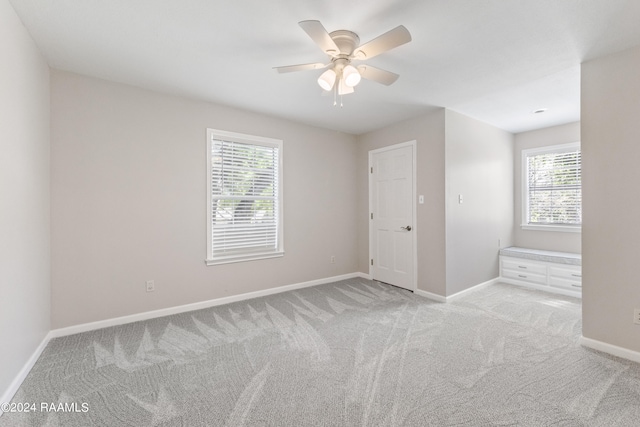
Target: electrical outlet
x=151, y=286
x=636, y=316
x=333, y=259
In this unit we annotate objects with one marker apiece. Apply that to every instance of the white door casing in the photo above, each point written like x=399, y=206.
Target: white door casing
x=392, y=228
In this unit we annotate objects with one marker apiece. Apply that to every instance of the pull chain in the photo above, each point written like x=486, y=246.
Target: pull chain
x=335, y=94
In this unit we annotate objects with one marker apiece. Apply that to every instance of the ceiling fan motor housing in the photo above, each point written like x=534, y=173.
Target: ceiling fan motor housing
x=346, y=41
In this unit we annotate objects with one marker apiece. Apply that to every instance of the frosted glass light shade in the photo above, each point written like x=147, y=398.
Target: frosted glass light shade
x=327, y=80
x=343, y=89
x=351, y=76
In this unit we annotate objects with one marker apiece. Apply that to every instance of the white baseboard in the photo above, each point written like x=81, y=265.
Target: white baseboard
x=431, y=296
x=92, y=326
x=473, y=288
x=614, y=350
x=17, y=381
x=440, y=298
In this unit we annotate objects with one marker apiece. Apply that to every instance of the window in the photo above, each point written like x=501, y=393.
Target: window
x=244, y=207
x=552, y=189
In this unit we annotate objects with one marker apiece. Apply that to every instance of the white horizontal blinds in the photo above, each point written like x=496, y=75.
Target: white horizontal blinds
x=244, y=198
x=554, y=188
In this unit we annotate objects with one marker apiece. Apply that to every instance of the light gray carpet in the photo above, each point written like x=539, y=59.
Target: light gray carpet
x=351, y=353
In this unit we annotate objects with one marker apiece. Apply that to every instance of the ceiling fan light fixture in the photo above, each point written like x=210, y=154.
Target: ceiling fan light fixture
x=327, y=80
x=343, y=88
x=351, y=76
x=343, y=46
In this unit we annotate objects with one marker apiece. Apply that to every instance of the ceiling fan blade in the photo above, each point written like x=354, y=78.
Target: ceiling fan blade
x=387, y=41
x=300, y=67
x=320, y=36
x=377, y=75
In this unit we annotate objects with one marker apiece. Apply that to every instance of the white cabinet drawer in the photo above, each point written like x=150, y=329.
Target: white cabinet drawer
x=574, y=285
x=523, y=266
x=557, y=277
x=526, y=276
x=567, y=273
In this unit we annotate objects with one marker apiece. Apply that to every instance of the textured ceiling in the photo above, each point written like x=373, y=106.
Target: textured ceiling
x=494, y=60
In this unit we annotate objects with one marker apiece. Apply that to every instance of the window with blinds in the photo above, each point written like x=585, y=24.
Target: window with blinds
x=245, y=206
x=553, y=189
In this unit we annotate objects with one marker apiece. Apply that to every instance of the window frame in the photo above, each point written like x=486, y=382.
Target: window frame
x=278, y=251
x=559, y=148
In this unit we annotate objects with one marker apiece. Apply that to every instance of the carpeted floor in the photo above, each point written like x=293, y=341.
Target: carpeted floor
x=351, y=353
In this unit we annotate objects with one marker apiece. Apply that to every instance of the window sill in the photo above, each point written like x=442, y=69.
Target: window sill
x=560, y=228
x=243, y=258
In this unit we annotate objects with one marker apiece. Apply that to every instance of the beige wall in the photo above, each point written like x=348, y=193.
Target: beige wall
x=479, y=166
x=428, y=132
x=129, y=201
x=547, y=240
x=457, y=244
x=610, y=129
x=24, y=197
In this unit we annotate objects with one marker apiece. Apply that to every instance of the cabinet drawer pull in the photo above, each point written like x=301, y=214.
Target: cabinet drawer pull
x=522, y=266
x=522, y=275
x=577, y=275
x=576, y=286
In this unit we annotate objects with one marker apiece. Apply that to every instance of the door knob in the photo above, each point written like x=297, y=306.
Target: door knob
x=408, y=228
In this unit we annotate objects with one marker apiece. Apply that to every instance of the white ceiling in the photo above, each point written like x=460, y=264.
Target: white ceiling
x=494, y=60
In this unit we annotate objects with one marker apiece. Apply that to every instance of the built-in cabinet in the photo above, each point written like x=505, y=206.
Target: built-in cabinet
x=558, y=272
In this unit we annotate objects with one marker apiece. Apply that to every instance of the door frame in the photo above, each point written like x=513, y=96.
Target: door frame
x=414, y=211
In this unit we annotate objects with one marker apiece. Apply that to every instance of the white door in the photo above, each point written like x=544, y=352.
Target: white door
x=392, y=225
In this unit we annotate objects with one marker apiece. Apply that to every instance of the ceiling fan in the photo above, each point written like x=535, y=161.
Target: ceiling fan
x=343, y=47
